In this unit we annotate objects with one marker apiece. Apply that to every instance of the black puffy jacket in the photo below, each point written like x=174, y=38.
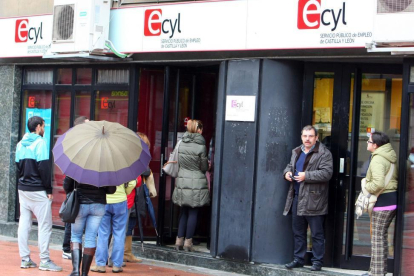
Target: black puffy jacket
x=88, y=194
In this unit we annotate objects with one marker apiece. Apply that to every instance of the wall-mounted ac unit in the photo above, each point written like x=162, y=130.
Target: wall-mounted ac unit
x=80, y=26
x=393, y=23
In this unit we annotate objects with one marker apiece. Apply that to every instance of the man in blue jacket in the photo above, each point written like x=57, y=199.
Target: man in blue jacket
x=35, y=194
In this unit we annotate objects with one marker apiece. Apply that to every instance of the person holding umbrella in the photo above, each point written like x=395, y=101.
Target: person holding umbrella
x=102, y=153
x=91, y=210
x=191, y=190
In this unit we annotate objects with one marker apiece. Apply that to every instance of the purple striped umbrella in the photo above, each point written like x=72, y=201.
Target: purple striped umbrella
x=101, y=153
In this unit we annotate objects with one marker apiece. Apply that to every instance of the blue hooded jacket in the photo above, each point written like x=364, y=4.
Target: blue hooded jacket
x=32, y=160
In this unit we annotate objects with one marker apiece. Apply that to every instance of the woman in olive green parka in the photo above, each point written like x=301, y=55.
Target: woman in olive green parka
x=191, y=190
x=383, y=156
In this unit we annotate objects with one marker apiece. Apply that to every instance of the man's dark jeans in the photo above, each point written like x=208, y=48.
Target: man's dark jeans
x=300, y=227
x=66, y=238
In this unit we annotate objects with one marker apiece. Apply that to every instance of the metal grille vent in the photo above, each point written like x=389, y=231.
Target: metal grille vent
x=63, y=21
x=393, y=6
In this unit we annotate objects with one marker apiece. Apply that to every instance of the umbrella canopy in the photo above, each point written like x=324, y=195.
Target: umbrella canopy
x=101, y=153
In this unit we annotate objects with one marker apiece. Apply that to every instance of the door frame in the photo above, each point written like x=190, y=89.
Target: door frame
x=173, y=76
x=334, y=227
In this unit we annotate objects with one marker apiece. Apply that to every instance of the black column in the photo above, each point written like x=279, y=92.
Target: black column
x=249, y=192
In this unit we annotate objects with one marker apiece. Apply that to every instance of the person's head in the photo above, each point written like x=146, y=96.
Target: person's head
x=376, y=140
x=144, y=138
x=309, y=136
x=194, y=126
x=36, y=125
x=80, y=120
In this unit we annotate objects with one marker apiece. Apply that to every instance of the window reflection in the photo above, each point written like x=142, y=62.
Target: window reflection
x=407, y=264
x=112, y=106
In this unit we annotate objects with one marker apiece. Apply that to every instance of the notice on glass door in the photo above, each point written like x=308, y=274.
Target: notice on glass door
x=241, y=108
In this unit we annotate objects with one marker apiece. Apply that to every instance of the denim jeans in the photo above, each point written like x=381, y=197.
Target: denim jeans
x=116, y=215
x=88, y=219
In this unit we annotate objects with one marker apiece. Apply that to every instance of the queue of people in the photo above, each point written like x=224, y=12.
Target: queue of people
x=105, y=211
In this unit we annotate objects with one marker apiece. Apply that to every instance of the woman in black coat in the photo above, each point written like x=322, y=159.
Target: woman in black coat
x=92, y=208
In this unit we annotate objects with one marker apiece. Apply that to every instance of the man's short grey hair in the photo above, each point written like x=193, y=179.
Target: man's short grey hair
x=310, y=127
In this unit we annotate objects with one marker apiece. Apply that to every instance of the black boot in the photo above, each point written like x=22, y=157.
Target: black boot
x=76, y=250
x=88, y=254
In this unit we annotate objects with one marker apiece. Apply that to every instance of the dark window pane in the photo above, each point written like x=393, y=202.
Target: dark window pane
x=64, y=76
x=82, y=104
x=84, y=76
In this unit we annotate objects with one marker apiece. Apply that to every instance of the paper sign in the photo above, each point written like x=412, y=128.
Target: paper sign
x=241, y=108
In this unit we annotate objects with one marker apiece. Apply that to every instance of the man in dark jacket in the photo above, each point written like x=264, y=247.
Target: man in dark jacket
x=35, y=193
x=309, y=172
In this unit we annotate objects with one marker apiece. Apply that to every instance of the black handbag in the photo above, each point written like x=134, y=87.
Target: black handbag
x=70, y=207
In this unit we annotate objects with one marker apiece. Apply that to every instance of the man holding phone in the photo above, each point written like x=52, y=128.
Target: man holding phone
x=309, y=172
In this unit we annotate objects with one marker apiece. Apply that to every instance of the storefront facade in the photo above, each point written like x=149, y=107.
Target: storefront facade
x=285, y=71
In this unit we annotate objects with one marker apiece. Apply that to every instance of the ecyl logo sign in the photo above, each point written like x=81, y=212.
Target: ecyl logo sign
x=23, y=33
x=154, y=24
x=236, y=104
x=311, y=15
x=105, y=104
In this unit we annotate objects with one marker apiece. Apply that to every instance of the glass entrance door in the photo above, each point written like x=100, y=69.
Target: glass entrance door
x=168, y=98
x=349, y=102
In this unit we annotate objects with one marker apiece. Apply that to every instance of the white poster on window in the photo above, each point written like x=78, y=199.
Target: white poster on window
x=241, y=108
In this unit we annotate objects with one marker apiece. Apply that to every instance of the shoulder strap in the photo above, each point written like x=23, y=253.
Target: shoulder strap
x=388, y=177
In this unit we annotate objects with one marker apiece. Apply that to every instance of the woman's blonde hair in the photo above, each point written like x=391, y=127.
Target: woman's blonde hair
x=144, y=138
x=194, y=125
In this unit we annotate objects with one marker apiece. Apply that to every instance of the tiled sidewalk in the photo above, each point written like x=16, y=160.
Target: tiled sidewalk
x=10, y=264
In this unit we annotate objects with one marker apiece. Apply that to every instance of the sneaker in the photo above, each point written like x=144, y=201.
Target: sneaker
x=116, y=269
x=28, y=264
x=97, y=268
x=49, y=266
x=67, y=255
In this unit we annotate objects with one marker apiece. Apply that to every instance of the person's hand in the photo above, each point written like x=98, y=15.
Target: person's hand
x=288, y=176
x=300, y=177
x=50, y=196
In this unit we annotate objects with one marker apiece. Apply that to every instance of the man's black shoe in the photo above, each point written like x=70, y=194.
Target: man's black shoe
x=293, y=264
x=316, y=267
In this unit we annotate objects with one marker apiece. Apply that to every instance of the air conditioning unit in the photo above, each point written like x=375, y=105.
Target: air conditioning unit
x=80, y=26
x=393, y=23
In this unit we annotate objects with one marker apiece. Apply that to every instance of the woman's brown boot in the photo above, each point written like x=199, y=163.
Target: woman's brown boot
x=179, y=242
x=128, y=256
x=188, y=245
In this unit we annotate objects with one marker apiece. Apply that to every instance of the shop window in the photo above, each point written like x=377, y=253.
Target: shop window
x=412, y=74
x=84, y=76
x=116, y=76
x=64, y=76
x=82, y=104
x=61, y=125
x=112, y=106
x=407, y=265
x=37, y=103
x=35, y=76
x=322, y=105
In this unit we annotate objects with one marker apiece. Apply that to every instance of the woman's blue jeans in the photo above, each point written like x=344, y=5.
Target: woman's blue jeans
x=116, y=215
x=88, y=219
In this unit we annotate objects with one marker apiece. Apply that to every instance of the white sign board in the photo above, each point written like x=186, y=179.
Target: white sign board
x=230, y=25
x=25, y=36
x=241, y=108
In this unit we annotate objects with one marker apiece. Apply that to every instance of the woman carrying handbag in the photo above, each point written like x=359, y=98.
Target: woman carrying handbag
x=191, y=191
x=383, y=156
